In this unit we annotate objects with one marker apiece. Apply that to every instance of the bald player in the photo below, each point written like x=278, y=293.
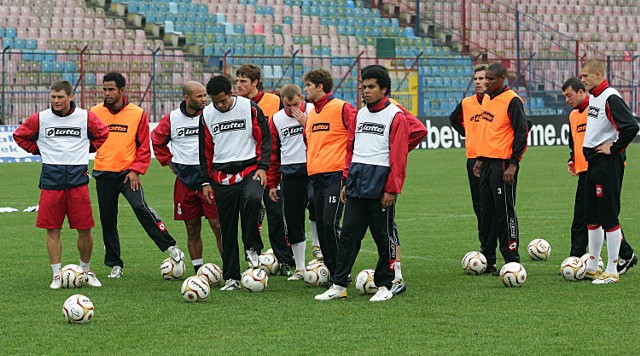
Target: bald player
x=180, y=128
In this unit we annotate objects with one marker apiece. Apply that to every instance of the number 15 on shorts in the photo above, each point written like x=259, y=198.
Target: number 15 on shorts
x=333, y=199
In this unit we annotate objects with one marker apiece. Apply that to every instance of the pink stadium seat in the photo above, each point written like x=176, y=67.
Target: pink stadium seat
x=258, y=29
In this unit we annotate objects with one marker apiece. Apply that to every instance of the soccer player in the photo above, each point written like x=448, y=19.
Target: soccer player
x=180, y=128
x=610, y=129
x=326, y=131
x=288, y=170
x=576, y=95
x=117, y=168
x=464, y=119
x=235, y=148
x=417, y=132
x=502, y=138
x=375, y=169
x=64, y=135
x=248, y=82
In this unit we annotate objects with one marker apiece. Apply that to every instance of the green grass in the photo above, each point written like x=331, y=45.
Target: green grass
x=442, y=312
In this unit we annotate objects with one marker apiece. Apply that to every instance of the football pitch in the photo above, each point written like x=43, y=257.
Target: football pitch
x=443, y=310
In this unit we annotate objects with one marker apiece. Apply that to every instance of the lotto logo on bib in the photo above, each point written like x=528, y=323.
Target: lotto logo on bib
x=63, y=132
x=321, y=126
x=118, y=128
x=235, y=125
x=593, y=112
x=371, y=128
x=187, y=131
x=292, y=131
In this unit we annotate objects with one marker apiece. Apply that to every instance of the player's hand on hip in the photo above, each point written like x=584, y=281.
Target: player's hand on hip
x=388, y=199
x=509, y=174
x=261, y=176
x=604, y=148
x=207, y=191
x=134, y=180
x=273, y=194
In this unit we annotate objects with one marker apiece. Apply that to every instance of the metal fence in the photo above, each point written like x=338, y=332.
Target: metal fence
x=427, y=85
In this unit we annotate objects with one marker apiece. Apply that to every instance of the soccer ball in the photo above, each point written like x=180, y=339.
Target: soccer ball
x=269, y=263
x=270, y=252
x=211, y=272
x=316, y=275
x=314, y=262
x=195, y=289
x=171, y=270
x=72, y=276
x=539, y=250
x=513, y=275
x=77, y=309
x=585, y=259
x=474, y=262
x=254, y=280
x=573, y=269
x=364, y=282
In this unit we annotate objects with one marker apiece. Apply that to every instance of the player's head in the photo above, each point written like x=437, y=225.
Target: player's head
x=317, y=83
x=495, y=76
x=376, y=85
x=291, y=95
x=592, y=73
x=574, y=92
x=479, y=80
x=195, y=95
x=113, y=84
x=61, y=96
x=247, y=80
x=368, y=68
x=219, y=90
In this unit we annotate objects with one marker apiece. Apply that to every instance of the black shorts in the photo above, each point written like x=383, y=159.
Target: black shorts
x=602, y=191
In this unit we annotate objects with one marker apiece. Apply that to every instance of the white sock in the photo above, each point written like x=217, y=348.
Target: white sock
x=84, y=266
x=298, y=254
x=614, y=239
x=56, y=268
x=314, y=233
x=596, y=238
x=197, y=262
x=396, y=269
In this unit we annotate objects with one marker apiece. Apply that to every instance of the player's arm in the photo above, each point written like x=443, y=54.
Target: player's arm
x=349, y=114
x=457, y=120
x=398, y=150
x=273, y=174
x=97, y=131
x=571, y=163
x=143, y=151
x=160, y=138
x=205, y=142
x=26, y=134
x=619, y=114
x=520, y=124
x=417, y=130
x=262, y=135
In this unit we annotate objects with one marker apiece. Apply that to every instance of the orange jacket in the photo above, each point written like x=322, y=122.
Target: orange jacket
x=578, y=124
x=269, y=103
x=503, y=127
x=326, y=133
x=128, y=144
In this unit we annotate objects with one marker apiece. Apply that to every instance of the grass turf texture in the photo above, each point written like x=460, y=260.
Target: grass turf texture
x=443, y=311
